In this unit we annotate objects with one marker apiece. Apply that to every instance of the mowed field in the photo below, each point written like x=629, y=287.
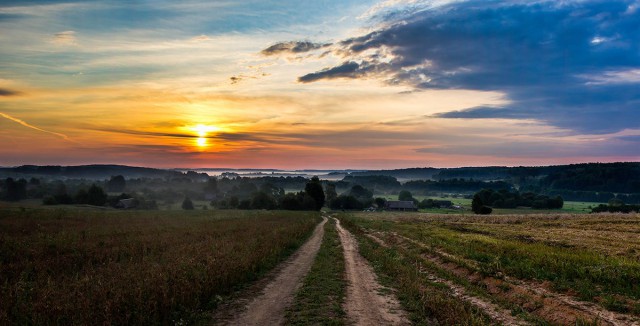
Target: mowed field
x=511, y=269
x=88, y=267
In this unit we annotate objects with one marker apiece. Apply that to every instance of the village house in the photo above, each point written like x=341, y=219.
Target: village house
x=401, y=205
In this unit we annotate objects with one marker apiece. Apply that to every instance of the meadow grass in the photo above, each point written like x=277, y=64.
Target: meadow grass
x=71, y=266
x=427, y=302
x=594, y=256
x=569, y=207
x=319, y=300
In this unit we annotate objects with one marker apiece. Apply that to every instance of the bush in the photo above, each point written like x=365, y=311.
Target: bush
x=187, y=204
x=485, y=210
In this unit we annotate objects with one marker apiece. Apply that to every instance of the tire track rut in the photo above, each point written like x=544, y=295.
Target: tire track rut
x=269, y=307
x=365, y=305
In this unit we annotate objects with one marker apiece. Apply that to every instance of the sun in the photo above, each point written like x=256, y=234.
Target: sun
x=202, y=131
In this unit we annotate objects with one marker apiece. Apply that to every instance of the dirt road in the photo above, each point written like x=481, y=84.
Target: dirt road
x=365, y=304
x=269, y=307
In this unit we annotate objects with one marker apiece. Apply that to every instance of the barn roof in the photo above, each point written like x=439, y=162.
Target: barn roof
x=405, y=204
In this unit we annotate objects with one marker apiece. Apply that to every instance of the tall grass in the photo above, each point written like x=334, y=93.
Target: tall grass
x=428, y=303
x=156, y=267
x=502, y=245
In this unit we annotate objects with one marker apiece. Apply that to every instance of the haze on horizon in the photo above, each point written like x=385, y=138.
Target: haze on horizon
x=330, y=84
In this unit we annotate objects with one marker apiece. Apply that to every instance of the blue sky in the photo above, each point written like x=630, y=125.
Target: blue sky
x=436, y=83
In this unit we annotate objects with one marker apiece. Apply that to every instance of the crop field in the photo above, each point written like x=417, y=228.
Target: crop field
x=538, y=269
x=75, y=266
x=86, y=266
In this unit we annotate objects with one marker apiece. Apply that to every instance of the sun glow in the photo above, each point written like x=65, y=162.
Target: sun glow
x=202, y=132
x=201, y=142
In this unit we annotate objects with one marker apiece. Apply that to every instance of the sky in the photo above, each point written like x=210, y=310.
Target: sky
x=323, y=84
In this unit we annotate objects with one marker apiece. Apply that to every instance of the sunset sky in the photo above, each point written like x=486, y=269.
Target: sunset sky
x=325, y=84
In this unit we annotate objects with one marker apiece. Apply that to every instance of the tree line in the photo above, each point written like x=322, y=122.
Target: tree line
x=485, y=200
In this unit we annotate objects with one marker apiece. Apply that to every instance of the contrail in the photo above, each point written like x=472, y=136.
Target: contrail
x=65, y=137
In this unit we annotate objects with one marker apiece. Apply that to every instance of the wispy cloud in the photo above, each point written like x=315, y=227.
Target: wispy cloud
x=64, y=38
x=625, y=76
x=293, y=47
x=8, y=92
x=16, y=120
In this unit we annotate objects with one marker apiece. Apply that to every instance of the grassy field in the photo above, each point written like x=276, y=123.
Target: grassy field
x=319, y=300
x=84, y=266
x=570, y=207
x=594, y=258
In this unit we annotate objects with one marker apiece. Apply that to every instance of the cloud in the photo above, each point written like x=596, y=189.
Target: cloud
x=19, y=121
x=292, y=47
x=200, y=38
x=8, y=92
x=631, y=138
x=541, y=54
x=346, y=70
x=64, y=38
x=630, y=76
x=482, y=112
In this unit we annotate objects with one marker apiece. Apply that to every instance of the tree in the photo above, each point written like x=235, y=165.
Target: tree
x=263, y=200
x=380, y=202
x=478, y=206
x=405, y=195
x=346, y=202
x=16, y=190
x=96, y=196
x=116, y=184
x=82, y=197
x=292, y=202
x=211, y=187
x=314, y=189
x=361, y=193
x=330, y=192
x=187, y=204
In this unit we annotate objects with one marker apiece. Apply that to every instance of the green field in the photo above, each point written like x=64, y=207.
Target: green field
x=87, y=266
x=573, y=207
x=501, y=258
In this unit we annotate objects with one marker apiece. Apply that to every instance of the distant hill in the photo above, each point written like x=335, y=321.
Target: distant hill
x=402, y=174
x=567, y=180
x=96, y=171
x=578, y=181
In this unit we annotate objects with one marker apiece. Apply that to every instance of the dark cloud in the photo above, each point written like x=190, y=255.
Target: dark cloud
x=348, y=69
x=292, y=47
x=481, y=112
x=8, y=92
x=219, y=136
x=537, y=149
x=539, y=53
x=633, y=139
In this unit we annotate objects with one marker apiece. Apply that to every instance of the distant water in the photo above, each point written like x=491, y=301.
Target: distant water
x=251, y=173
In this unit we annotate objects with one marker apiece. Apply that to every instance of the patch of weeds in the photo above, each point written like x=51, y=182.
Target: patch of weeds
x=319, y=300
x=614, y=304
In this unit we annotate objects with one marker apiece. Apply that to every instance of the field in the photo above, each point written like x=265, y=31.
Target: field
x=570, y=207
x=86, y=266
x=540, y=268
x=83, y=266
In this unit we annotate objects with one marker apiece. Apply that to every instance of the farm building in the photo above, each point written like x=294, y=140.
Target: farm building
x=401, y=205
x=127, y=203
